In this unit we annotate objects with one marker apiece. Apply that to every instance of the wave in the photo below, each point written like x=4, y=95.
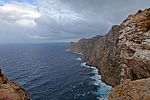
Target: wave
x=84, y=64
x=79, y=59
x=78, y=53
x=102, y=88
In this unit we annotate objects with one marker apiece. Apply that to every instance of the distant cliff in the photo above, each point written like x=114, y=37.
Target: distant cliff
x=123, y=53
x=10, y=90
x=102, y=52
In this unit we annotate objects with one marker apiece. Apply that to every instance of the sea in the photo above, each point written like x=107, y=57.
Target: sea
x=48, y=71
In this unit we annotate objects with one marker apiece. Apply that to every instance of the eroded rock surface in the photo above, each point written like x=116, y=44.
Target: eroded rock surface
x=131, y=90
x=10, y=90
x=134, y=46
x=123, y=53
x=102, y=52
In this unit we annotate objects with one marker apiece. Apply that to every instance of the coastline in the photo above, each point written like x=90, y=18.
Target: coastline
x=121, y=55
x=102, y=87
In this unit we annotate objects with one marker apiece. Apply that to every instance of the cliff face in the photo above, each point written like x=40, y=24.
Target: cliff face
x=131, y=90
x=102, y=52
x=134, y=46
x=10, y=90
x=123, y=53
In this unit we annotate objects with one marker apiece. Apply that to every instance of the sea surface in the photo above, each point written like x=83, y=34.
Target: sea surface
x=51, y=72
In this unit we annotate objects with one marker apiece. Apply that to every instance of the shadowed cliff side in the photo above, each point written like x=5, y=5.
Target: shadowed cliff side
x=102, y=52
x=123, y=53
x=10, y=90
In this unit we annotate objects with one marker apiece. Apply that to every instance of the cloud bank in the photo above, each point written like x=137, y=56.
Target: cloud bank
x=61, y=20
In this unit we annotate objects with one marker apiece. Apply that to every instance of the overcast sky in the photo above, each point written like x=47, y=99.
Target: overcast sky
x=30, y=21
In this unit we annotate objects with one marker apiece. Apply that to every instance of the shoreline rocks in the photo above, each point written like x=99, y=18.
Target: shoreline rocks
x=10, y=90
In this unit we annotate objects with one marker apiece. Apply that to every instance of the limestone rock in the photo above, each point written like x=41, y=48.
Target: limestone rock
x=131, y=90
x=10, y=90
x=102, y=52
x=134, y=46
x=123, y=53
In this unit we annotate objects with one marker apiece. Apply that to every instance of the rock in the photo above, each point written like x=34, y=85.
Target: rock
x=10, y=90
x=131, y=90
x=135, y=50
x=102, y=52
x=123, y=53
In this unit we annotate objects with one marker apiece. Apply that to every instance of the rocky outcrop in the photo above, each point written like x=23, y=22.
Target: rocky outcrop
x=10, y=90
x=134, y=46
x=123, y=53
x=131, y=90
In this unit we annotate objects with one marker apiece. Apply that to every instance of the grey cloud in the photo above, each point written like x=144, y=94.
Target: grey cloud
x=99, y=16
x=65, y=20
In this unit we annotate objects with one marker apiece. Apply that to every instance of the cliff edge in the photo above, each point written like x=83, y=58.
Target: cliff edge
x=122, y=54
x=10, y=90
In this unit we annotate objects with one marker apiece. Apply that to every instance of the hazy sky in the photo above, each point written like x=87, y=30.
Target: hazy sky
x=25, y=21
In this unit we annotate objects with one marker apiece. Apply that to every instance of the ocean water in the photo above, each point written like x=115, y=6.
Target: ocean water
x=50, y=72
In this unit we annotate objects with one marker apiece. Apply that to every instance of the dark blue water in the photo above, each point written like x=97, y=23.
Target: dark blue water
x=50, y=72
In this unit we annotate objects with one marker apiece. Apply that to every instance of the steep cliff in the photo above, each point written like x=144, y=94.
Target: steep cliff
x=134, y=46
x=123, y=53
x=10, y=90
x=102, y=52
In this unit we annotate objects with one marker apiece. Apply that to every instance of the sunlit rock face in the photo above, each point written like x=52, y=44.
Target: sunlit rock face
x=134, y=46
x=131, y=90
x=10, y=90
x=123, y=53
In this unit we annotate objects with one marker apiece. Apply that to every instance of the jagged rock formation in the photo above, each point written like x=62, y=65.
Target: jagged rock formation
x=123, y=53
x=134, y=46
x=10, y=90
x=131, y=90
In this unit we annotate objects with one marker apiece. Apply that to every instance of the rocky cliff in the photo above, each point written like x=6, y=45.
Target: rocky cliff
x=10, y=90
x=102, y=52
x=131, y=90
x=134, y=46
x=123, y=53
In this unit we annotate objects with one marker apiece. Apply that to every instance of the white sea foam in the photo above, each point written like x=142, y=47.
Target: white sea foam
x=79, y=59
x=83, y=64
x=79, y=53
x=102, y=88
